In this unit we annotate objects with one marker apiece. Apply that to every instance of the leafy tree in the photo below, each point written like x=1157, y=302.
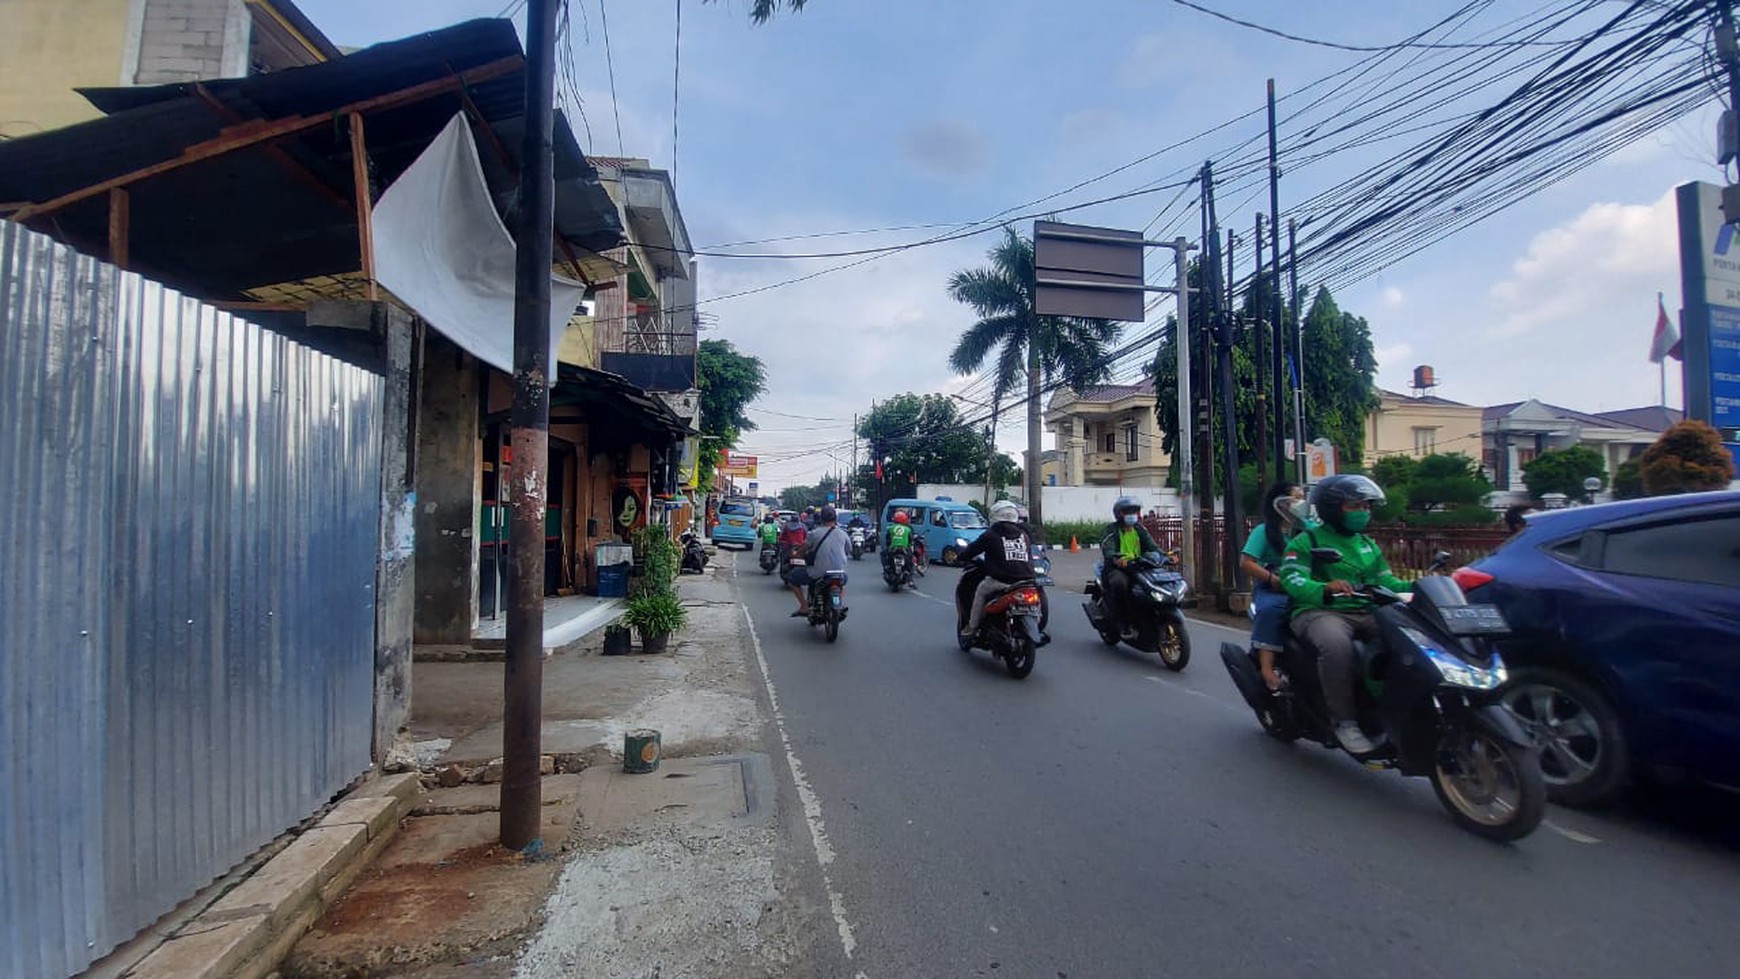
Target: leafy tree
x=762, y=11
x=1025, y=346
x=1394, y=472
x=1628, y=480
x=798, y=497
x=1563, y=471
x=1687, y=458
x=924, y=439
x=729, y=382
x=1448, y=480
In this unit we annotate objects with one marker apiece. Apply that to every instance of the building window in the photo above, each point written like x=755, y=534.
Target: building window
x=1425, y=441
x=1130, y=443
x=1111, y=442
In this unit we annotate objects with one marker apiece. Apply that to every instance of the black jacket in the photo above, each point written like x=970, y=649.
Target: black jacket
x=1008, y=552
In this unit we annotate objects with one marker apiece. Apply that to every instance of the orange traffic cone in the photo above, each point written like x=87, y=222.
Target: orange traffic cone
x=1074, y=545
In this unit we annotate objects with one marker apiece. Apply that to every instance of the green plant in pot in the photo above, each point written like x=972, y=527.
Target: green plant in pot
x=616, y=640
x=657, y=559
x=655, y=616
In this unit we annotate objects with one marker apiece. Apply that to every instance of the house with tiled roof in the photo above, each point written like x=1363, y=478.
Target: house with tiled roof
x=1106, y=435
x=1515, y=433
x=1421, y=425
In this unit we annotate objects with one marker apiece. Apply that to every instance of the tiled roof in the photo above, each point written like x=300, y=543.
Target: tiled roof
x=1425, y=399
x=1650, y=418
x=1106, y=393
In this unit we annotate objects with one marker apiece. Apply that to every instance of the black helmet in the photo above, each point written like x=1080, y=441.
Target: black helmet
x=1125, y=504
x=827, y=515
x=1330, y=495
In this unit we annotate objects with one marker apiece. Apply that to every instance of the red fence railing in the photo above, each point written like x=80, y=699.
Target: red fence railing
x=1408, y=549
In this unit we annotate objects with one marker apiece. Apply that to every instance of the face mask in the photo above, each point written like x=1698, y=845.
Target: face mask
x=1357, y=520
x=1129, y=520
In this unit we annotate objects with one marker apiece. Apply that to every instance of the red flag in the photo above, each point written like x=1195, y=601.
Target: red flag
x=1666, y=342
x=878, y=470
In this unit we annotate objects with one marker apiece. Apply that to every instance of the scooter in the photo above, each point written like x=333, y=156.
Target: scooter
x=856, y=534
x=899, y=569
x=769, y=557
x=1428, y=701
x=1157, y=594
x=694, y=555
x=1010, y=628
x=827, y=601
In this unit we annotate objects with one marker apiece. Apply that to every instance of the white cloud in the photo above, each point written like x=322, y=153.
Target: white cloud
x=947, y=148
x=1392, y=298
x=1580, y=270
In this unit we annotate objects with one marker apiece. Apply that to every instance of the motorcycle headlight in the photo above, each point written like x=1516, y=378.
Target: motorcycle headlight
x=1457, y=671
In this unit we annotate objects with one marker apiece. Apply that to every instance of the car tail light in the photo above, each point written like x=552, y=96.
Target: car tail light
x=1469, y=579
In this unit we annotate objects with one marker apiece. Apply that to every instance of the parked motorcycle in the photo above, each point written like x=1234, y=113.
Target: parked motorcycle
x=1157, y=593
x=769, y=558
x=1010, y=628
x=694, y=555
x=827, y=601
x=856, y=535
x=1427, y=699
x=900, y=569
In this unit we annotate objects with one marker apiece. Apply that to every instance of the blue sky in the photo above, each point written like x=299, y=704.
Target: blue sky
x=871, y=113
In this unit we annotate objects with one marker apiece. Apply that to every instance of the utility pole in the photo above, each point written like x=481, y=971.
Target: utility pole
x=1262, y=363
x=1229, y=421
x=1279, y=401
x=1298, y=350
x=851, y=496
x=1208, y=581
x=523, y=676
x=1184, y=462
x=991, y=452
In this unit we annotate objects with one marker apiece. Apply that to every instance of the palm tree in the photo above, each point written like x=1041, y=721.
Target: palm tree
x=1027, y=347
x=763, y=10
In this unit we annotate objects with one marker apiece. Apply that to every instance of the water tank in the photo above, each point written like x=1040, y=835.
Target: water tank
x=1424, y=377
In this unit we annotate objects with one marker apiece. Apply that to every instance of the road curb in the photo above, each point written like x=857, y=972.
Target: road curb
x=245, y=933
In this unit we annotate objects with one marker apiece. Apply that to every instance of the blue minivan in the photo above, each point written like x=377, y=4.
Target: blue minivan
x=736, y=523
x=943, y=523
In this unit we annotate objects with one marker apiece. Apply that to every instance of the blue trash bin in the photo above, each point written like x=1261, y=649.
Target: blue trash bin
x=613, y=581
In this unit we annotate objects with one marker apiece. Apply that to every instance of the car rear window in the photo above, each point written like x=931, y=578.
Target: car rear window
x=737, y=509
x=1705, y=551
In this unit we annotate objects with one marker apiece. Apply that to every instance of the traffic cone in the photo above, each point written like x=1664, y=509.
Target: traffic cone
x=1074, y=545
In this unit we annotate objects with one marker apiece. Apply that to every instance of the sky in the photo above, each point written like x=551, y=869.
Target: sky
x=862, y=114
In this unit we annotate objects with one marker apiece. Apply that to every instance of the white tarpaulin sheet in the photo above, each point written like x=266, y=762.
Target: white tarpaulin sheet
x=441, y=248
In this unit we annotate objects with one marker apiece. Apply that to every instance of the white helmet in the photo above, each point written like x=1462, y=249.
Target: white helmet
x=1004, y=511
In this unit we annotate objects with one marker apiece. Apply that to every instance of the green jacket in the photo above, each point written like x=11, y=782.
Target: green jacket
x=1362, y=563
x=768, y=533
x=1109, y=545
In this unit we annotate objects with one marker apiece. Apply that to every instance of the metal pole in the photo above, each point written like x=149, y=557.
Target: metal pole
x=991, y=452
x=1298, y=350
x=1280, y=447
x=1209, y=273
x=1181, y=347
x=852, y=497
x=1261, y=326
x=522, y=718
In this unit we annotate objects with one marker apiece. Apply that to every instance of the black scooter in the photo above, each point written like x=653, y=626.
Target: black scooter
x=1157, y=593
x=1010, y=628
x=899, y=568
x=769, y=557
x=694, y=555
x=1427, y=700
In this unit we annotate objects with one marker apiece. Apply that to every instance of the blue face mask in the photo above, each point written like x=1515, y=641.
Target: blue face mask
x=1129, y=520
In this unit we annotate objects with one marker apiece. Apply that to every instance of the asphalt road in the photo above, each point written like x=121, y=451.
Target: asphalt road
x=1106, y=818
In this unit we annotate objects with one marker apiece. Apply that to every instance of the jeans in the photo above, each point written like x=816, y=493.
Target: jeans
x=1332, y=634
x=1269, y=628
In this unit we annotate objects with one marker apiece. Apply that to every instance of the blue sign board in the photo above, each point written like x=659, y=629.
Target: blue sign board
x=1710, y=289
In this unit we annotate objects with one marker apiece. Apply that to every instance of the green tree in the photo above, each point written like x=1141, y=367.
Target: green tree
x=729, y=382
x=1563, y=471
x=762, y=11
x=1394, y=472
x=1024, y=345
x=1687, y=458
x=1447, y=480
x=923, y=439
x=798, y=497
x=1628, y=480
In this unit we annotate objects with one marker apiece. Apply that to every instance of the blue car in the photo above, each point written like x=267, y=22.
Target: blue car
x=736, y=523
x=1626, y=658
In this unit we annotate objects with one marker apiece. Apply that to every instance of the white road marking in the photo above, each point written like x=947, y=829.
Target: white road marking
x=1569, y=834
x=812, y=806
x=1194, y=693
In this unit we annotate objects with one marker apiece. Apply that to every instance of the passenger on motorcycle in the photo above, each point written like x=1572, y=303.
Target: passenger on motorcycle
x=768, y=530
x=827, y=550
x=1282, y=513
x=1126, y=540
x=1328, y=611
x=1008, y=555
x=793, y=535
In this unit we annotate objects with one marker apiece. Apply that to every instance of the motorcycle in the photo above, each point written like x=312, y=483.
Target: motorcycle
x=899, y=569
x=1157, y=594
x=694, y=555
x=920, y=555
x=769, y=557
x=1042, y=576
x=1427, y=699
x=856, y=534
x=827, y=596
x=1010, y=628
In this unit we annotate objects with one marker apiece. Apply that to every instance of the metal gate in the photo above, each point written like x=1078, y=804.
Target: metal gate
x=188, y=531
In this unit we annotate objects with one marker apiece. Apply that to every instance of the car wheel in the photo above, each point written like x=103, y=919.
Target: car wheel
x=1584, y=756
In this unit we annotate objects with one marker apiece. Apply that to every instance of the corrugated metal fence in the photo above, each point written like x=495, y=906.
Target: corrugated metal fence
x=187, y=560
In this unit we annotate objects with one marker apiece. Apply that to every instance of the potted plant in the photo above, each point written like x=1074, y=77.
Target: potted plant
x=616, y=640
x=655, y=616
x=657, y=559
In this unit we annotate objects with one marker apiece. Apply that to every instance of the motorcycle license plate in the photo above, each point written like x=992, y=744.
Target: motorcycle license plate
x=1023, y=610
x=1474, y=620
x=797, y=562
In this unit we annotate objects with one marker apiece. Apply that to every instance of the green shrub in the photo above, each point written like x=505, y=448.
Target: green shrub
x=657, y=559
x=655, y=614
x=1466, y=515
x=1088, y=532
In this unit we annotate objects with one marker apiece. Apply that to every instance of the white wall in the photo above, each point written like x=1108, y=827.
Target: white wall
x=1095, y=502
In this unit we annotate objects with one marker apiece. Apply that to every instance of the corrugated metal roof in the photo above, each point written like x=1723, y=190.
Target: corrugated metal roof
x=246, y=219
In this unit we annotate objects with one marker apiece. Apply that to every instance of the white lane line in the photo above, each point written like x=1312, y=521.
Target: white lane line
x=1235, y=708
x=807, y=797
x=1569, y=834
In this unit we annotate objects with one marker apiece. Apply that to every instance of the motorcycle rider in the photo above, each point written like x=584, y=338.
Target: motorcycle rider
x=1282, y=515
x=1008, y=555
x=898, y=537
x=1125, y=541
x=827, y=551
x=1328, y=611
x=768, y=531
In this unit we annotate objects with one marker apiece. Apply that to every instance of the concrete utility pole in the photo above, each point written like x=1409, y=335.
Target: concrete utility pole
x=991, y=452
x=1182, y=437
x=1298, y=351
x=1208, y=569
x=1279, y=399
x=523, y=683
x=1261, y=364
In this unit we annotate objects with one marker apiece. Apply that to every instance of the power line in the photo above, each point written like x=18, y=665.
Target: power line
x=1405, y=44
x=676, y=86
x=610, y=66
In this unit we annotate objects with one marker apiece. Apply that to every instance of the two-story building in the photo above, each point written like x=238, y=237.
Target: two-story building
x=1421, y=425
x=1106, y=436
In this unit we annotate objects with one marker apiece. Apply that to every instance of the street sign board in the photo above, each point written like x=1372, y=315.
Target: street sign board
x=1710, y=321
x=738, y=464
x=1090, y=272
